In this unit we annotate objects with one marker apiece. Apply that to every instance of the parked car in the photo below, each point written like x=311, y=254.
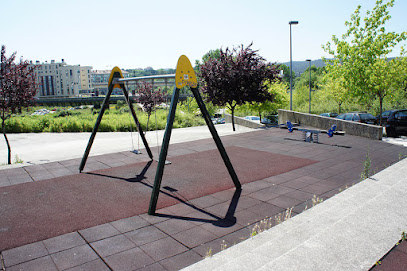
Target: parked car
x=396, y=123
x=361, y=117
x=271, y=119
x=253, y=118
x=331, y=115
x=218, y=120
x=385, y=116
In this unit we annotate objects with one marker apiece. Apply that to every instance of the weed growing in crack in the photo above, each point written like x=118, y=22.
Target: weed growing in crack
x=18, y=160
x=208, y=253
x=223, y=245
x=316, y=200
x=366, y=167
x=281, y=217
x=267, y=223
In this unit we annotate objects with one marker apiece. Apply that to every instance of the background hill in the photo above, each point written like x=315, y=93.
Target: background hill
x=300, y=66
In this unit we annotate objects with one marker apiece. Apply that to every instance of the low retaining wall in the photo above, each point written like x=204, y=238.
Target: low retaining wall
x=243, y=122
x=320, y=122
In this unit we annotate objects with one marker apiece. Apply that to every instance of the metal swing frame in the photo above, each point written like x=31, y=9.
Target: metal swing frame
x=167, y=136
x=116, y=80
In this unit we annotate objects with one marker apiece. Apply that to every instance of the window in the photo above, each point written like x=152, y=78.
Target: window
x=348, y=117
x=401, y=114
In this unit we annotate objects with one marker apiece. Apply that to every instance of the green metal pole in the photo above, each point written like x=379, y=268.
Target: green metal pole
x=138, y=126
x=96, y=127
x=216, y=138
x=163, y=154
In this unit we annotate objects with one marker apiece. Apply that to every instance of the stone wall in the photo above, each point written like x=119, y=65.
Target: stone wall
x=243, y=122
x=324, y=123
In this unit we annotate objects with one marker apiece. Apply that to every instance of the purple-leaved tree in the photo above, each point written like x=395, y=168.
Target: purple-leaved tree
x=17, y=89
x=149, y=98
x=235, y=77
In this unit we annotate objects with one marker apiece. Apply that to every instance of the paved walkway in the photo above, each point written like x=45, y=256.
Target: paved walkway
x=41, y=148
x=183, y=233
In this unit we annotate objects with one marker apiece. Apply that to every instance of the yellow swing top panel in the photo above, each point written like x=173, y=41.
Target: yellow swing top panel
x=185, y=74
x=114, y=70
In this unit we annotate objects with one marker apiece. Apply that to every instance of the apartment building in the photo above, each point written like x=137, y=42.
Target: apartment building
x=100, y=78
x=62, y=80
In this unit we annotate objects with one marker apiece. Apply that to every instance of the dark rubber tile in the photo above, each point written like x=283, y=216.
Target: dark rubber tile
x=394, y=261
x=181, y=261
x=194, y=237
x=129, y=224
x=96, y=265
x=73, y=257
x=112, y=245
x=174, y=226
x=63, y=242
x=131, y=259
x=145, y=235
x=163, y=248
x=99, y=232
x=24, y=253
x=40, y=264
x=284, y=202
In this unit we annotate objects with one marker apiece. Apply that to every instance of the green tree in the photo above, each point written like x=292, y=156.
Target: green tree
x=334, y=89
x=362, y=50
x=286, y=73
x=281, y=99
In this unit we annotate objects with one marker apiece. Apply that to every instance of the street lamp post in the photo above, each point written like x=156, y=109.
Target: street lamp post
x=309, y=60
x=291, y=67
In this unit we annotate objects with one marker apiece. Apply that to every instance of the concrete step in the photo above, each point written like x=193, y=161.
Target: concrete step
x=351, y=231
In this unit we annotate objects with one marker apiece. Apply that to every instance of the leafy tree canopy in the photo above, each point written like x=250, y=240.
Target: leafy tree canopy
x=360, y=55
x=17, y=89
x=236, y=77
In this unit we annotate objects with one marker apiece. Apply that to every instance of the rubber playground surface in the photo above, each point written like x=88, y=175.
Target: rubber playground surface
x=198, y=206
x=41, y=210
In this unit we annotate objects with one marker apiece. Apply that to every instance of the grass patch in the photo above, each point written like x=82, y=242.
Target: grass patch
x=83, y=120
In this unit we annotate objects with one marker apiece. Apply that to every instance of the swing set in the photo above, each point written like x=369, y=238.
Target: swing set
x=184, y=76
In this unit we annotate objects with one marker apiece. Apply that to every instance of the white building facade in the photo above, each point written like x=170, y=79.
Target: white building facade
x=62, y=80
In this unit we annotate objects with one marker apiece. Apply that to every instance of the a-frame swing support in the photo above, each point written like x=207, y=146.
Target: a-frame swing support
x=185, y=75
x=115, y=74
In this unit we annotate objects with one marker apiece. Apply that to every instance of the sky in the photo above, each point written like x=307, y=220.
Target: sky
x=154, y=33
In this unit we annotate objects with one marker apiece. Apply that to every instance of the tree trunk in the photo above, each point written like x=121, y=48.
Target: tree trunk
x=339, y=108
x=148, y=120
x=260, y=115
x=381, y=110
x=7, y=142
x=232, y=108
